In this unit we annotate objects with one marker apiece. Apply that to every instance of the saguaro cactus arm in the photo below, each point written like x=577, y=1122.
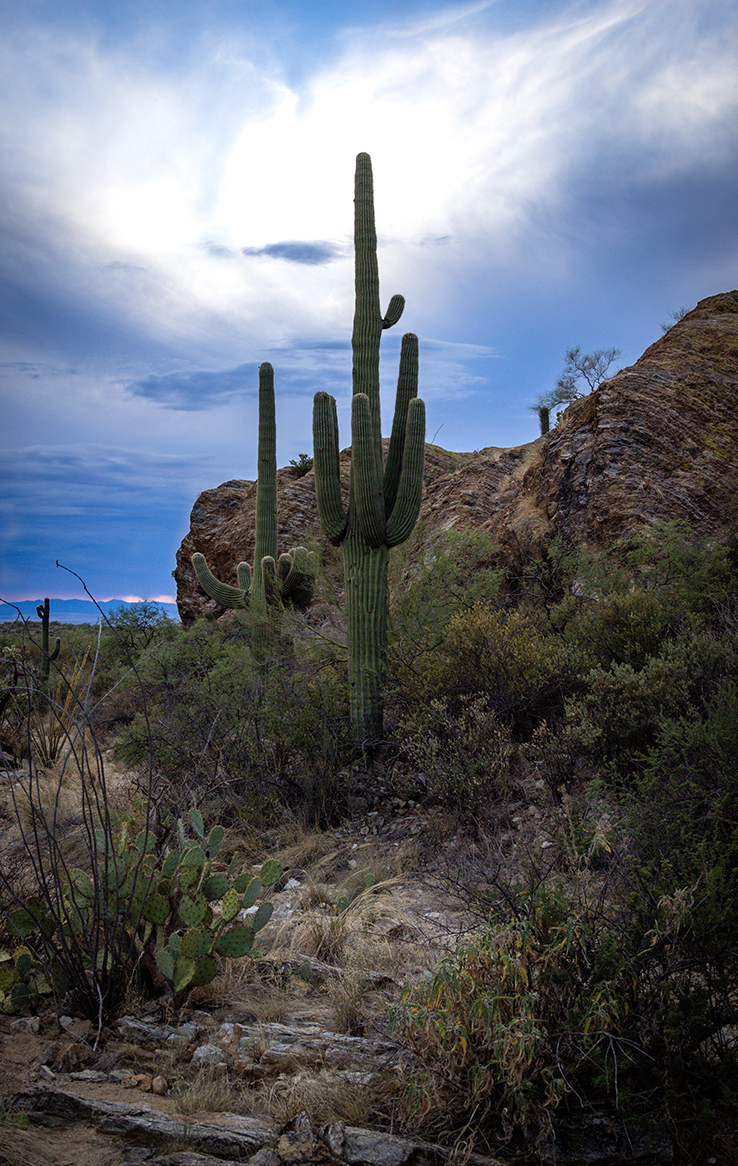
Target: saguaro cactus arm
x=394, y=311
x=223, y=593
x=333, y=518
x=368, y=493
x=407, y=390
x=410, y=488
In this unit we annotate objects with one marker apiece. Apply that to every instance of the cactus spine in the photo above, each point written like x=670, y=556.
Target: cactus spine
x=383, y=499
x=46, y=656
x=288, y=579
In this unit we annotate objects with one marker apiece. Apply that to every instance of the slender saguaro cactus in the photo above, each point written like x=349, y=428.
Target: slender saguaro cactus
x=46, y=656
x=383, y=499
x=287, y=579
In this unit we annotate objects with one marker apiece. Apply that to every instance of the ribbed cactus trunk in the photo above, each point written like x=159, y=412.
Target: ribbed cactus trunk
x=266, y=485
x=43, y=612
x=265, y=536
x=365, y=579
x=383, y=500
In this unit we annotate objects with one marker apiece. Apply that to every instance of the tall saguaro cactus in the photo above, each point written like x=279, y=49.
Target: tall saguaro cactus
x=287, y=579
x=383, y=499
x=46, y=656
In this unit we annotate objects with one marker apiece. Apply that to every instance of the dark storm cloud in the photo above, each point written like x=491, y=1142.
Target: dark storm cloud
x=203, y=389
x=310, y=253
x=300, y=368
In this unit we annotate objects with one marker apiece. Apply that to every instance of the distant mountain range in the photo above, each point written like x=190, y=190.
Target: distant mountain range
x=73, y=610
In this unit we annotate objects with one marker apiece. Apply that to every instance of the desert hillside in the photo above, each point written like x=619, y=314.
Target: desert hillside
x=655, y=441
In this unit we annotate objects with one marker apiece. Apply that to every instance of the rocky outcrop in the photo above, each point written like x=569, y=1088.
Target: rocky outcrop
x=656, y=441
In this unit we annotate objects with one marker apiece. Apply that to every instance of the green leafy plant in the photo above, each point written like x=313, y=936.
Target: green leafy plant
x=617, y=718
x=443, y=574
x=384, y=500
x=246, y=740
x=464, y=750
x=301, y=465
x=512, y=658
x=516, y=1018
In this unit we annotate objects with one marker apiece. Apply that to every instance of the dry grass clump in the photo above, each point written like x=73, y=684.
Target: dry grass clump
x=324, y=1095
x=297, y=846
x=341, y=930
x=211, y=1091
x=22, y=1147
x=259, y=987
x=55, y=803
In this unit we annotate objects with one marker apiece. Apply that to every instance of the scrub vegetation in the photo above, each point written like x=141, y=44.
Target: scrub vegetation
x=599, y=689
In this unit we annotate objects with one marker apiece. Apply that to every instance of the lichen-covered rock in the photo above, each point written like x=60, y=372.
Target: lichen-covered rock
x=656, y=441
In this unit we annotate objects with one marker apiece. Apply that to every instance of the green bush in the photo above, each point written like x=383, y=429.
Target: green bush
x=622, y=629
x=464, y=753
x=691, y=572
x=617, y=719
x=455, y=571
x=246, y=736
x=512, y=657
x=527, y=1012
x=683, y=825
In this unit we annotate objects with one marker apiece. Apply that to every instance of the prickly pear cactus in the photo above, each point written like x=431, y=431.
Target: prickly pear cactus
x=175, y=902
x=384, y=500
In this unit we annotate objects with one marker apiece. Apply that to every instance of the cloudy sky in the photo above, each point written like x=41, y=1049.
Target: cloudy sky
x=177, y=208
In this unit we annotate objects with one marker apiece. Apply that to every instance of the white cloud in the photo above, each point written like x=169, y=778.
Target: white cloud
x=137, y=192
x=474, y=134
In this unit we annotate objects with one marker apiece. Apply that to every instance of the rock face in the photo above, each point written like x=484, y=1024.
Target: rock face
x=656, y=441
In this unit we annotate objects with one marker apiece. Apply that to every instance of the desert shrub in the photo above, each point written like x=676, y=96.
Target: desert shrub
x=688, y=778
x=455, y=570
x=542, y=580
x=131, y=630
x=683, y=825
x=253, y=737
x=301, y=465
x=464, y=751
x=617, y=718
x=610, y=985
x=622, y=629
x=532, y=1009
x=691, y=572
x=512, y=657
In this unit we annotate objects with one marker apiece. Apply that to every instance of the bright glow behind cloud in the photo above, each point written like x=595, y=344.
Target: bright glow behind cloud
x=472, y=133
